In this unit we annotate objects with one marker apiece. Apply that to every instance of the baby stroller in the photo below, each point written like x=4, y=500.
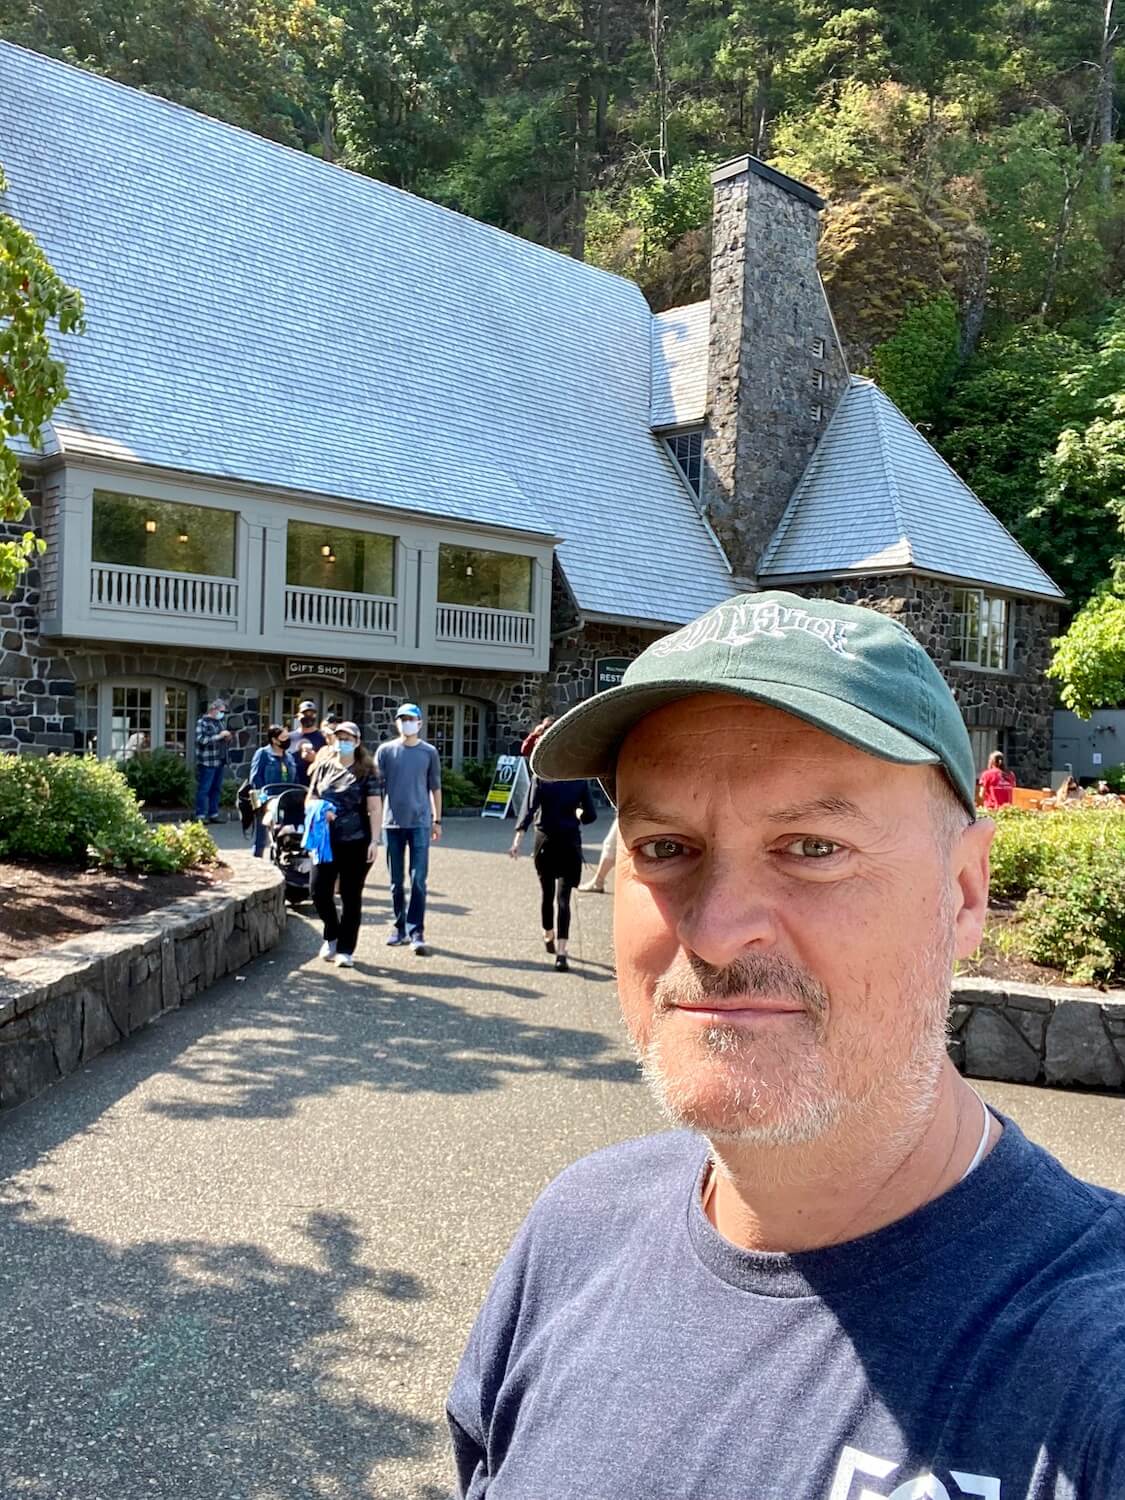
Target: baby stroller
x=284, y=813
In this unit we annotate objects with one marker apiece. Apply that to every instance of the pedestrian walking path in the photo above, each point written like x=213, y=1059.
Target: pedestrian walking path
x=239, y=1254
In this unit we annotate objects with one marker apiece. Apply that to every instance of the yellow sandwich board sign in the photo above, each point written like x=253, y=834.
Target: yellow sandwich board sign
x=510, y=781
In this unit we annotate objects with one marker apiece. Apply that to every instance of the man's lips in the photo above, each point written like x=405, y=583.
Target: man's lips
x=742, y=1007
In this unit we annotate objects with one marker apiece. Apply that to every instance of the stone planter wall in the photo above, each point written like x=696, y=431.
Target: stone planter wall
x=60, y=1008
x=1038, y=1033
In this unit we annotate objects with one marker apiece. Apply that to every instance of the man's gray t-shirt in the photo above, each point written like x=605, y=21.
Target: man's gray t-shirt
x=626, y=1351
x=409, y=773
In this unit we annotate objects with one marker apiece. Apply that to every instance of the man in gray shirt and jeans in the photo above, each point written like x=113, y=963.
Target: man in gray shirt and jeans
x=410, y=772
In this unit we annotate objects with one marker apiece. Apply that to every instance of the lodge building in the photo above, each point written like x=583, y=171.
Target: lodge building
x=326, y=439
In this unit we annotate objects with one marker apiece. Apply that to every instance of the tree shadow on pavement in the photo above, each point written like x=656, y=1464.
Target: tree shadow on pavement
x=192, y=1370
x=270, y=1055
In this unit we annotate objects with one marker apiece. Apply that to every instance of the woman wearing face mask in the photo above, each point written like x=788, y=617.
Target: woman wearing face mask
x=343, y=776
x=273, y=765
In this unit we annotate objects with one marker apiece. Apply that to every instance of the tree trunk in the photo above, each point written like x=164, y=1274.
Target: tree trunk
x=581, y=167
x=660, y=77
x=761, y=110
x=1103, y=115
x=601, y=95
x=1062, y=233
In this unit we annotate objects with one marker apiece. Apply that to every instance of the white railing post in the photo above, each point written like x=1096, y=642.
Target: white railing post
x=485, y=627
x=148, y=591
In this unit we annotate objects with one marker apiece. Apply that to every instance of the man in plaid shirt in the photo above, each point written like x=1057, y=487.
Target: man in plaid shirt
x=211, y=742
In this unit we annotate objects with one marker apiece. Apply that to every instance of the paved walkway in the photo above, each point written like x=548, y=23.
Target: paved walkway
x=240, y=1253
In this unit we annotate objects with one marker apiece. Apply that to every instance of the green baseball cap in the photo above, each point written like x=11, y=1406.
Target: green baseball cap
x=853, y=672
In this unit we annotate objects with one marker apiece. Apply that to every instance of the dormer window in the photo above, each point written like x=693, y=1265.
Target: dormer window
x=686, y=449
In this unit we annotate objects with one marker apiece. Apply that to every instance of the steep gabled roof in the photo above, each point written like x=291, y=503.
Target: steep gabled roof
x=876, y=497
x=259, y=315
x=679, y=365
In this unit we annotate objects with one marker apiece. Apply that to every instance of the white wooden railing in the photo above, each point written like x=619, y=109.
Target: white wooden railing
x=327, y=609
x=485, y=627
x=145, y=591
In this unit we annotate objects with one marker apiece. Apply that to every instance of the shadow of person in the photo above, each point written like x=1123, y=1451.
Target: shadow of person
x=183, y=1368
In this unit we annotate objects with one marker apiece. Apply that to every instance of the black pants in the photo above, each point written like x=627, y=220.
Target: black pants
x=349, y=865
x=558, y=864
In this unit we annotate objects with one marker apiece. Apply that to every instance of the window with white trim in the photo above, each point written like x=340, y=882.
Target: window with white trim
x=127, y=718
x=86, y=718
x=454, y=726
x=686, y=449
x=980, y=630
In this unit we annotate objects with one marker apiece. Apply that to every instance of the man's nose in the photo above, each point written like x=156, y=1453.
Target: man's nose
x=730, y=911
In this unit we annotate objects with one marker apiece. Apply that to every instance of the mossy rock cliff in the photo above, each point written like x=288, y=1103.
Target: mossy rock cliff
x=882, y=252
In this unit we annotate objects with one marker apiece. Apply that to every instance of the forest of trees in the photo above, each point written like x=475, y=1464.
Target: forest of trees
x=970, y=152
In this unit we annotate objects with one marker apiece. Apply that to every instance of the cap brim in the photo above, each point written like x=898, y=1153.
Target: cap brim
x=586, y=741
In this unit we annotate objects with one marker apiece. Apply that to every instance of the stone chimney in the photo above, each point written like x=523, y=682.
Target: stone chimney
x=775, y=366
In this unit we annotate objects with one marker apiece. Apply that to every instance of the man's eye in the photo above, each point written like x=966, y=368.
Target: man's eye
x=661, y=849
x=812, y=848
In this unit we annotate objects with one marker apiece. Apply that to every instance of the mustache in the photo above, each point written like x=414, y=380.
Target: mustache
x=694, y=982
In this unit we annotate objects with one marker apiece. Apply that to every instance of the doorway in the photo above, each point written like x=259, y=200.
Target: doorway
x=327, y=700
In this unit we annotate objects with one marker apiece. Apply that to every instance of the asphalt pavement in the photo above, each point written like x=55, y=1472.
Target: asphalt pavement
x=239, y=1254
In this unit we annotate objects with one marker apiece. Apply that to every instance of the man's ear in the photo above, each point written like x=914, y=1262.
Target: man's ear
x=969, y=869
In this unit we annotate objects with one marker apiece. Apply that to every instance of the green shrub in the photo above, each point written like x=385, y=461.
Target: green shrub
x=480, y=774
x=77, y=809
x=458, y=791
x=53, y=808
x=162, y=779
x=1115, y=776
x=1067, y=869
x=188, y=845
x=1076, y=922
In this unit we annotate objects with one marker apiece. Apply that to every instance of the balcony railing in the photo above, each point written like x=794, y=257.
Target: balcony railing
x=327, y=609
x=145, y=591
x=485, y=627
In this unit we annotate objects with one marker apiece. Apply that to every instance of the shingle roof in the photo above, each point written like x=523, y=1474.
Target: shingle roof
x=877, y=496
x=679, y=365
x=257, y=314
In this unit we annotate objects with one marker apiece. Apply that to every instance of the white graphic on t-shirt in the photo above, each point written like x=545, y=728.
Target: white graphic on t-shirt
x=854, y=1463
x=738, y=624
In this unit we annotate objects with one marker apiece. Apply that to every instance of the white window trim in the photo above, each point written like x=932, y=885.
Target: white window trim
x=975, y=666
x=667, y=439
x=458, y=705
x=103, y=715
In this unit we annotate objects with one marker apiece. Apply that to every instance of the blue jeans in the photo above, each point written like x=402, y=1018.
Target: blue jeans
x=409, y=919
x=261, y=836
x=208, y=785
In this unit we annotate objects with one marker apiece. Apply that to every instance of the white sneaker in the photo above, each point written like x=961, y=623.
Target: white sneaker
x=345, y=961
x=328, y=951
x=590, y=885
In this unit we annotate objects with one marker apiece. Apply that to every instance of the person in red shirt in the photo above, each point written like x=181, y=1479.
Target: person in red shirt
x=996, y=783
x=536, y=735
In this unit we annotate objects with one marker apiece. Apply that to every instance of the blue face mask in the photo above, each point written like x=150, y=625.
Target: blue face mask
x=345, y=748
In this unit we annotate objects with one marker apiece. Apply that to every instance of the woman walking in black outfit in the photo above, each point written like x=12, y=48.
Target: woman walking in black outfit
x=343, y=777
x=558, y=808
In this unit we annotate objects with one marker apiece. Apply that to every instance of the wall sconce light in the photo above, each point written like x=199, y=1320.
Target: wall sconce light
x=469, y=571
x=331, y=557
x=326, y=550
x=182, y=537
x=150, y=527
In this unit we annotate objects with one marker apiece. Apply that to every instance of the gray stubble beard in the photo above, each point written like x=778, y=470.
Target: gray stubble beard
x=814, y=1105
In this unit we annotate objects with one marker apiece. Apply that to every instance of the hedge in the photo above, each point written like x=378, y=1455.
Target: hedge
x=79, y=810
x=1066, y=869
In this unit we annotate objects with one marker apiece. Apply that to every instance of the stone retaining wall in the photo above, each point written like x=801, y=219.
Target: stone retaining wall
x=60, y=1008
x=1038, y=1033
